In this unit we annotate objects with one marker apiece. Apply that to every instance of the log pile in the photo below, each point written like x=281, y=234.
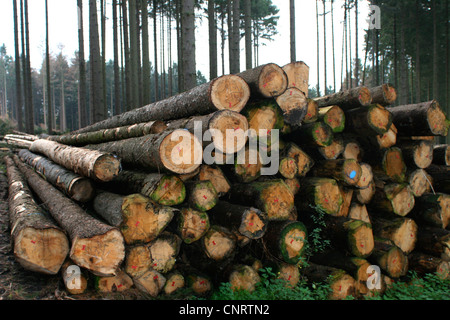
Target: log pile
x=241, y=173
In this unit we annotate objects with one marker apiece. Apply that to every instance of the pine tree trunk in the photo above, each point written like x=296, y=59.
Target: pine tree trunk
x=19, y=101
x=188, y=44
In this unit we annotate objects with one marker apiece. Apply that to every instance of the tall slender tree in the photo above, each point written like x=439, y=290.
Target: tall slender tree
x=29, y=110
x=188, y=44
x=356, y=45
x=212, y=28
x=19, y=101
x=155, y=46
x=126, y=49
x=145, y=55
x=292, y=29
x=325, y=69
x=96, y=101
x=47, y=68
x=236, y=37
x=318, y=54
x=82, y=86
x=134, y=70
x=117, y=107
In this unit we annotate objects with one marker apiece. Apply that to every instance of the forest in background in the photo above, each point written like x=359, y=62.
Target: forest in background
x=410, y=50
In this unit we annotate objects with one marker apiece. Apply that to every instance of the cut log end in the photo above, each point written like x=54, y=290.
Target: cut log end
x=437, y=120
x=420, y=182
x=380, y=119
x=361, y=238
x=312, y=111
x=170, y=191
x=365, y=97
x=101, y=254
x=192, y=224
x=294, y=104
x=322, y=134
x=41, y=250
x=230, y=92
x=217, y=178
x=366, y=176
x=244, y=278
x=106, y=168
x=254, y=223
x=293, y=242
x=328, y=196
x=393, y=164
x=334, y=117
x=82, y=190
x=181, y=152
x=278, y=201
x=219, y=243
x=351, y=172
x=203, y=196
x=342, y=287
x=288, y=168
x=402, y=199
x=272, y=81
x=229, y=131
x=298, y=75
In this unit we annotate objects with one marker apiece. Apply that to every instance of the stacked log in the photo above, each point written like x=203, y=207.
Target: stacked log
x=185, y=207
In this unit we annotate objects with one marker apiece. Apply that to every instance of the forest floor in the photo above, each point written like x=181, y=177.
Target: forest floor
x=17, y=283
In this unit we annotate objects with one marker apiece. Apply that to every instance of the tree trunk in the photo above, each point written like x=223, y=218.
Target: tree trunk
x=401, y=231
x=188, y=45
x=134, y=67
x=97, y=103
x=417, y=153
x=96, y=165
x=389, y=258
x=247, y=221
x=146, y=86
x=138, y=218
x=292, y=30
x=212, y=28
x=117, y=109
x=19, y=101
x=167, y=190
x=248, y=34
x=347, y=99
x=434, y=241
x=433, y=209
x=39, y=244
x=314, y=134
x=75, y=186
x=425, y=264
x=322, y=194
x=29, y=109
x=226, y=92
x=384, y=95
x=441, y=154
x=272, y=197
x=334, y=117
x=47, y=67
x=113, y=134
x=422, y=119
x=265, y=81
x=83, y=118
x=95, y=245
x=345, y=171
x=393, y=198
x=368, y=121
x=294, y=105
x=175, y=151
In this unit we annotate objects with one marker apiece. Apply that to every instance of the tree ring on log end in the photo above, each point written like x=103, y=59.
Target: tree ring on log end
x=379, y=118
x=230, y=92
x=231, y=125
x=365, y=97
x=181, y=152
x=81, y=190
x=294, y=239
x=437, y=120
x=272, y=81
x=106, y=167
x=254, y=224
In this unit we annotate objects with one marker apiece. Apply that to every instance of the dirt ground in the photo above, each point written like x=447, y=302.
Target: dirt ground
x=17, y=283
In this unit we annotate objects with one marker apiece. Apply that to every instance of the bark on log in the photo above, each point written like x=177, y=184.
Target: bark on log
x=433, y=209
x=177, y=151
x=368, y=121
x=417, y=153
x=272, y=197
x=333, y=116
x=265, y=81
x=228, y=92
x=39, y=244
x=100, y=166
x=333, y=151
x=389, y=258
x=389, y=165
x=347, y=99
x=345, y=171
x=191, y=224
x=425, y=264
x=217, y=178
x=95, y=246
x=317, y=193
x=341, y=284
x=247, y=221
x=75, y=186
x=225, y=129
x=138, y=218
x=113, y=134
x=315, y=134
x=434, y=241
x=285, y=241
x=441, y=154
x=401, y=231
x=393, y=198
x=294, y=105
x=422, y=119
x=201, y=195
x=353, y=236
x=297, y=73
x=165, y=189
x=384, y=94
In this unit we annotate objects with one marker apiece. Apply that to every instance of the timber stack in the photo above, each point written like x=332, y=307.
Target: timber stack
x=235, y=175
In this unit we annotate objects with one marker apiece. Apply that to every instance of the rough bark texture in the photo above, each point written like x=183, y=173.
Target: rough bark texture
x=40, y=245
x=176, y=151
x=347, y=99
x=229, y=92
x=75, y=186
x=95, y=245
x=384, y=94
x=89, y=163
